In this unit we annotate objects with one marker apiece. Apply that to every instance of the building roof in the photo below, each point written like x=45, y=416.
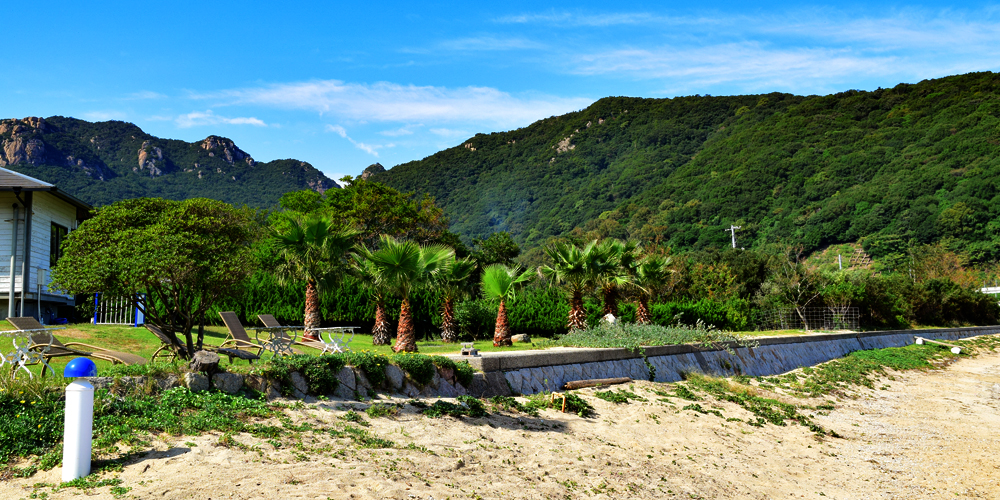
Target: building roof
x=14, y=181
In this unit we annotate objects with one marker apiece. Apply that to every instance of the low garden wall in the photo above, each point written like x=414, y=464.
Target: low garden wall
x=529, y=372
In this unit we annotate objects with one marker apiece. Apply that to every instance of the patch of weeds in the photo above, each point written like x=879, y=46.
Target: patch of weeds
x=320, y=371
x=378, y=410
x=862, y=367
x=419, y=366
x=365, y=439
x=508, y=403
x=574, y=403
x=683, y=392
x=618, y=397
x=697, y=407
x=370, y=362
x=353, y=416
x=89, y=482
x=468, y=406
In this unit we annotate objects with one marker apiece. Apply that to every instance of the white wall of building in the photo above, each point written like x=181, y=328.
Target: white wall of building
x=46, y=209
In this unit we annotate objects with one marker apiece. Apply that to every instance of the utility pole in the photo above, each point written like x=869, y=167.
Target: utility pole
x=732, y=229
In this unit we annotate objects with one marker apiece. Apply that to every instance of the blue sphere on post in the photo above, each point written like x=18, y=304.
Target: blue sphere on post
x=80, y=367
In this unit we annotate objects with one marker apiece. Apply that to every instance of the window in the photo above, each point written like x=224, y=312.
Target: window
x=55, y=243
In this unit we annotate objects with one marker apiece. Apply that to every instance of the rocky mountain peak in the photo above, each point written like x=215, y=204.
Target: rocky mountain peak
x=227, y=150
x=372, y=169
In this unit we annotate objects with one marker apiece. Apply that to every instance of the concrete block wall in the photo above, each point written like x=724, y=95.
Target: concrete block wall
x=529, y=372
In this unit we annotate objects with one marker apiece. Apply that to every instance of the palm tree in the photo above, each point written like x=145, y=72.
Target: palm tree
x=500, y=282
x=370, y=277
x=574, y=269
x=314, y=251
x=405, y=267
x=652, y=273
x=614, y=261
x=455, y=283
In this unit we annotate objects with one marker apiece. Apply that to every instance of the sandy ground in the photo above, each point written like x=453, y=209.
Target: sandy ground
x=923, y=435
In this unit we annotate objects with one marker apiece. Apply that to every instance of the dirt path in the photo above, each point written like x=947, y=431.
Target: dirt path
x=923, y=435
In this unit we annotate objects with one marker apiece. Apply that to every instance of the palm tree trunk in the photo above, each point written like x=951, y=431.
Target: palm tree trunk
x=406, y=339
x=577, y=314
x=312, y=318
x=449, y=330
x=501, y=336
x=642, y=315
x=380, y=333
x=610, y=301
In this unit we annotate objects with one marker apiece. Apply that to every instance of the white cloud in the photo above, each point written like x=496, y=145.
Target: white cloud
x=145, y=94
x=100, y=116
x=490, y=43
x=371, y=149
x=391, y=102
x=200, y=118
x=404, y=130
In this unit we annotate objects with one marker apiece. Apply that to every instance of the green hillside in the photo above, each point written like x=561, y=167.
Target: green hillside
x=109, y=161
x=915, y=163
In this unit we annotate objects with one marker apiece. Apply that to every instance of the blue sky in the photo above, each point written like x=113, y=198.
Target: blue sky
x=345, y=84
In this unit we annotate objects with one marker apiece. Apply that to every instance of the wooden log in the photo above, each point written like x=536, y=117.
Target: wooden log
x=580, y=384
x=954, y=348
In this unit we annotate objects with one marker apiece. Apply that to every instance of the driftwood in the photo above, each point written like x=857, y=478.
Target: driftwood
x=580, y=384
x=954, y=348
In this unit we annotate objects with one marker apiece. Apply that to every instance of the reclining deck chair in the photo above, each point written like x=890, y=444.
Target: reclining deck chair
x=171, y=350
x=269, y=321
x=57, y=349
x=238, y=338
x=331, y=344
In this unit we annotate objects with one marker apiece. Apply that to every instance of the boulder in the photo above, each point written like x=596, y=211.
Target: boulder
x=205, y=362
x=393, y=377
x=229, y=383
x=521, y=337
x=196, y=382
x=347, y=384
x=299, y=385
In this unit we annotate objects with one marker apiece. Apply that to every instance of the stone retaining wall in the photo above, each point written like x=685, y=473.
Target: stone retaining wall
x=529, y=372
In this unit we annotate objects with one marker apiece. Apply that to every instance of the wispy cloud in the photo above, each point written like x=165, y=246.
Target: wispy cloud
x=449, y=133
x=404, y=130
x=490, y=43
x=391, y=102
x=201, y=118
x=371, y=149
x=100, y=116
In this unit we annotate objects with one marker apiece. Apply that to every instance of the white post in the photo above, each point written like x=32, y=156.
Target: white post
x=79, y=430
x=840, y=262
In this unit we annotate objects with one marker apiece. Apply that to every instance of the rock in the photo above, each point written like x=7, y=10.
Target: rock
x=347, y=384
x=268, y=387
x=409, y=390
x=195, y=382
x=521, y=337
x=393, y=377
x=489, y=384
x=205, y=362
x=299, y=385
x=169, y=382
x=610, y=319
x=364, y=386
x=229, y=383
x=446, y=390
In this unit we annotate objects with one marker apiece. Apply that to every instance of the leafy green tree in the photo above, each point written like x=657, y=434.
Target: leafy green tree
x=314, y=250
x=305, y=201
x=499, y=248
x=185, y=256
x=375, y=209
x=791, y=284
x=574, y=269
x=500, y=283
x=405, y=267
x=455, y=282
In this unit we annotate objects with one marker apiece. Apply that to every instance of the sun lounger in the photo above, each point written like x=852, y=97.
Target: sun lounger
x=51, y=347
x=270, y=322
x=169, y=350
x=278, y=344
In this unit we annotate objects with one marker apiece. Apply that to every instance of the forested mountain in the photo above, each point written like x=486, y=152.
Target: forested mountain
x=913, y=164
x=104, y=162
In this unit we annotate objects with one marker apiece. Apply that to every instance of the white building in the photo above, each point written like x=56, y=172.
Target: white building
x=35, y=218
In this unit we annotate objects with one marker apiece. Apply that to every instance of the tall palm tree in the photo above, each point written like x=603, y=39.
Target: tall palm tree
x=454, y=281
x=613, y=261
x=652, y=273
x=500, y=282
x=574, y=269
x=314, y=251
x=370, y=277
x=406, y=266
